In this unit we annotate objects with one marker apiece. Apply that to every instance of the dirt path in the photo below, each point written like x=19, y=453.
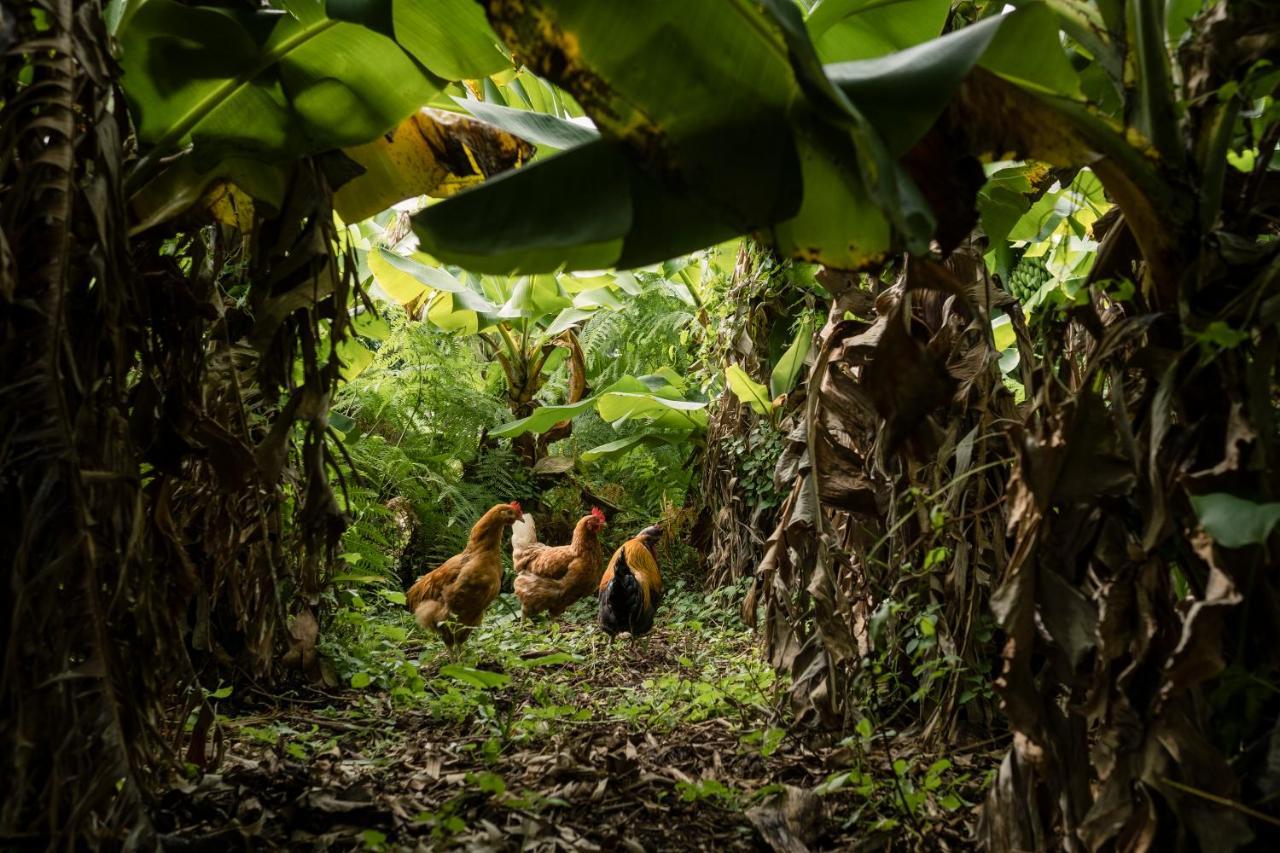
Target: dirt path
x=544, y=738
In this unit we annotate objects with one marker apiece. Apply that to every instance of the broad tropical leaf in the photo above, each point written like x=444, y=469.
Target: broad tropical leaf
x=619, y=447
x=450, y=37
x=538, y=128
x=620, y=407
x=542, y=419
x=834, y=192
x=791, y=364
x=267, y=83
x=625, y=400
x=432, y=152
x=747, y=390
x=1235, y=522
x=844, y=30
x=267, y=87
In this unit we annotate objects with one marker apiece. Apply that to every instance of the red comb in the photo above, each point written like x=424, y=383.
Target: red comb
x=516, y=506
x=595, y=511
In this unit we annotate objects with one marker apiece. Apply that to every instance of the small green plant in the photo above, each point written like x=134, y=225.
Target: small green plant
x=708, y=789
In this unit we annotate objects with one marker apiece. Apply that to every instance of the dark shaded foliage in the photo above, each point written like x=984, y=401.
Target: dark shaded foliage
x=165, y=467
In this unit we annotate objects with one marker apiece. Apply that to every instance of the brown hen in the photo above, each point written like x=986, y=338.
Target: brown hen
x=452, y=599
x=550, y=578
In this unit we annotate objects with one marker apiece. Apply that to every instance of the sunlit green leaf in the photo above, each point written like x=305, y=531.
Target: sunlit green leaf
x=616, y=448
x=747, y=390
x=481, y=678
x=789, y=366
x=538, y=128
x=862, y=29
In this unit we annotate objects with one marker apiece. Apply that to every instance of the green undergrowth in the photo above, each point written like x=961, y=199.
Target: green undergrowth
x=524, y=679
x=687, y=724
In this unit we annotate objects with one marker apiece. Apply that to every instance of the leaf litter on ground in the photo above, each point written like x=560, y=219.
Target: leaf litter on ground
x=546, y=736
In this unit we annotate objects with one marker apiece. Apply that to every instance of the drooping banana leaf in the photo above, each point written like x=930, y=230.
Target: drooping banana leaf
x=450, y=37
x=274, y=85
x=644, y=74
x=431, y=152
x=622, y=446
x=748, y=391
x=543, y=419
x=625, y=400
x=410, y=282
x=617, y=195
x=589, y=207
x=538, y=128
x=686, y=131
x=664, y=413
x=845, y=30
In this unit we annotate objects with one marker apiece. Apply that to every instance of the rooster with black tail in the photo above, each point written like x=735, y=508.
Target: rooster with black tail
x=631, y=588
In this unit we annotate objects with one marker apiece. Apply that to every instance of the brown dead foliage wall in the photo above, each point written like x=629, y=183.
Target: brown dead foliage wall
x=165, y=506
x=899, y=453
x=1137, y=640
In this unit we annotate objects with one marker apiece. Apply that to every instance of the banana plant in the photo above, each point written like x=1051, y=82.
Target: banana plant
x=236, y=97
x=527, y=325
x=658, y=402
x=767, y=400
x=848, y=159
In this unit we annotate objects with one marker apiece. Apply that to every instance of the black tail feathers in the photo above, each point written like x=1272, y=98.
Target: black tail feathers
x=622, y=602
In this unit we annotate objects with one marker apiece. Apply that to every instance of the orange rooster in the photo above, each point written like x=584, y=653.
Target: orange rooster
x=631, y=588
x=550, y=578
x=452, y=599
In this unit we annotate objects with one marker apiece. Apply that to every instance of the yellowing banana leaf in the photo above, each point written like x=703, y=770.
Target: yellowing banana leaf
x=244, y=84
x=432, y=152
x=400, y=285
x=369, y=325
x=355, y=356
x=182, y=186
x=445, y=313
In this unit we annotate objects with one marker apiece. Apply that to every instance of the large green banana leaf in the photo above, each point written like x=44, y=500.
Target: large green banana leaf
x=844, y=30
x=686, y=131
x=589, y=207
x=628, y=399
x=624, y=200
x=273, y=85
x=536, y=127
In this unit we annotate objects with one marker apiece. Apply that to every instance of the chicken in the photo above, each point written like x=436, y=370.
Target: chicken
x=631, y=588
x=452, y=599
x=550, y=578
